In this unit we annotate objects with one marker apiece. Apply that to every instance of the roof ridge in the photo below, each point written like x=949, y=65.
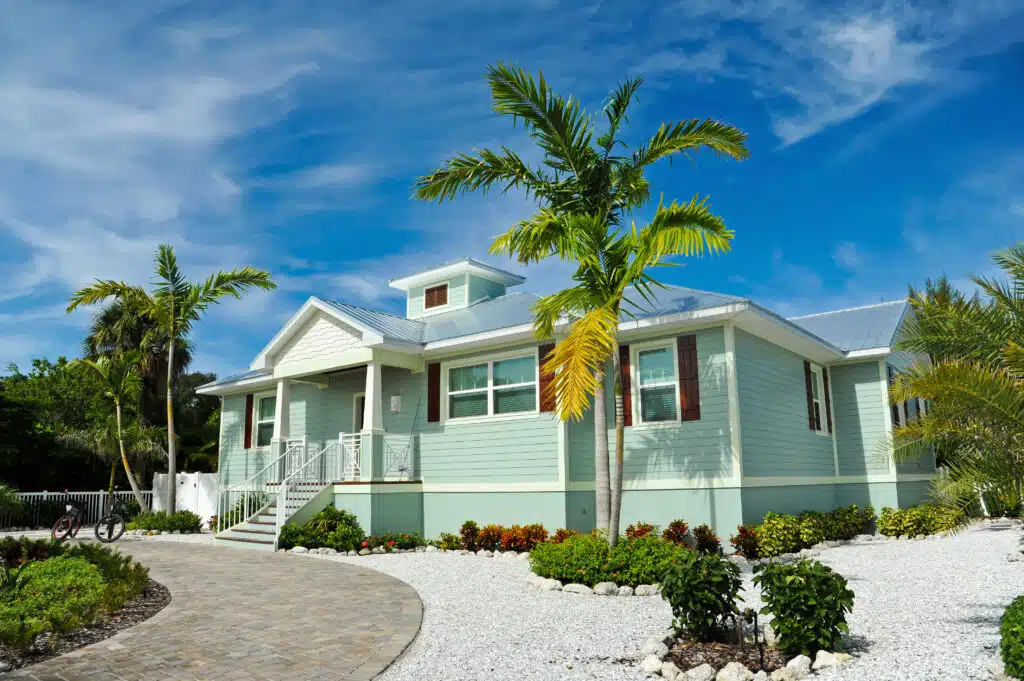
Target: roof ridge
x=851, y=309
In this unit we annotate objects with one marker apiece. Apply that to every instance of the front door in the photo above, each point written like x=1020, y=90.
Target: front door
x=358, y=409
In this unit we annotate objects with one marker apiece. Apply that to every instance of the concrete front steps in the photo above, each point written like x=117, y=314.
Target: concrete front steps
x=259, y=531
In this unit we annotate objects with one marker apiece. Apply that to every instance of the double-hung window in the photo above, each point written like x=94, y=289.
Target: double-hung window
x=658, y=381
x=264, y=420
x=495, y=387
x=818, y=399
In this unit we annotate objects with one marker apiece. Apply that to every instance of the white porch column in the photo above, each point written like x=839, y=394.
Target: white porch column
x=373, y=410
x=282, y=427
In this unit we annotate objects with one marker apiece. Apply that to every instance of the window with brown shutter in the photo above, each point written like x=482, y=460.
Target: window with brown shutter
x=434, y=392
x=896, y=411
x=435, y=296
x=689, y=382
x=247, y=439
x=812, y=418
x=627, y=385
x=828, y=399
x=547, y=396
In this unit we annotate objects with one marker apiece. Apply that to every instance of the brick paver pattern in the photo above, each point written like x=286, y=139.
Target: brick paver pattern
x=238, y=615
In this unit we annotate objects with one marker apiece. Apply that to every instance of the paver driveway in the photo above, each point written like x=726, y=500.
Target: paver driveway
x=238, y=615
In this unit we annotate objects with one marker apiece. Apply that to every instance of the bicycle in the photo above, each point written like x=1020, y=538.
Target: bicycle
x=111, y=526
x=68, y=524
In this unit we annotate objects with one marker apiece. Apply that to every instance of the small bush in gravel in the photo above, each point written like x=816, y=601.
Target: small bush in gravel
x=707, y=541
x=489, y=538
x=812, y=528
x=808, y=602
x=523, y=537
x=643, y=560
x=581, y=559
x=469, y=533
x=1011, y=634
x=15, y=551
x=676, y=532
x=745, y=542
x=330, y=528
x=561, y=534
x=779, y=534
x=846, y=522
x=639, y=530
x=449, y=542
x=909, y=522
x=702, y=589
x=185, y=522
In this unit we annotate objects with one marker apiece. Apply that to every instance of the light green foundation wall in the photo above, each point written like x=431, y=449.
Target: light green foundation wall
x=401, y=512
x=720, y=508
x=446, y=511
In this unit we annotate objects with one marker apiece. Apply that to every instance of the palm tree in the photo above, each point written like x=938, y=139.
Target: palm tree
x=102, y=440
x=174, y=306
x=586, y=189
x=975, y=388
x=121, y=383
x=10, y=503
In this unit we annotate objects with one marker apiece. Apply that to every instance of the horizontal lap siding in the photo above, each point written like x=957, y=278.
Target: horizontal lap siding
x=232, y=465
x=859, y=405
x=456, y=295
x=683, y=450
x=479, y=288
x=925, y=464
x=773, y=413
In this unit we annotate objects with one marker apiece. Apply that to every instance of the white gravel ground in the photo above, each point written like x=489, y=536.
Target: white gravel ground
x=924, y=611
x=87, y=533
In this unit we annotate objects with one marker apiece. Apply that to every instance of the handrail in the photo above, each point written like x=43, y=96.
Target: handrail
x=286, y=486
x=242, y=500
x=275, y=462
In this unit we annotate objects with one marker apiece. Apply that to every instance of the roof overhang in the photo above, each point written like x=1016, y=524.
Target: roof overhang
x=247, y=385
x=453, y=270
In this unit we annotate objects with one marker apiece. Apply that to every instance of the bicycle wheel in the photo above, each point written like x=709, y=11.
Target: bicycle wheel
x=110, y=528
x=61, y=528
x=77, y=525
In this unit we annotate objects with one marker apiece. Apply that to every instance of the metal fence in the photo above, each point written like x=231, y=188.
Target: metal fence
x=41, y=509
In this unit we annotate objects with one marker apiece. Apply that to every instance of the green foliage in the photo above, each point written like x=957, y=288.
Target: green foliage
x=449, y=542
x=640, y=530
x=561, y=534
x=185, y=522
x=812, y=528
x=523, y=537
x=779, y=534
x=10, y=504
x=702, y=589
x=643, y=560
x=17, y=550
x=676, y=532
x=1011, y=638
x=329, y=528
x=916, y=520
x=469, y=533
x=587, y=559
x=746, y=542
x=489, y=538
x=808, y=602
x=707, y=541
x=328, y=520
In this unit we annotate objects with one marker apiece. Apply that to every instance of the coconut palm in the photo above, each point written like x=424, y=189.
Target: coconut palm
x=975, y=387
x=586, y=190
x=140, y=442
x=120, y=381
x=174, y=305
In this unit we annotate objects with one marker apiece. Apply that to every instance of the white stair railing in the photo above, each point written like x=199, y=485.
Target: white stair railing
x=350, y=461
x=308, y=478
x=239, y=502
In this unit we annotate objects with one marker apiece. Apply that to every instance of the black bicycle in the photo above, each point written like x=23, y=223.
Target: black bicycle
x=111, y=526
x=70, y=523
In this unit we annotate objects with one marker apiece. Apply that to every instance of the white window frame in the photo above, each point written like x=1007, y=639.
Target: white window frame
x=818, y=376
x=634, y=374
x=489, y=360
x=256, y=422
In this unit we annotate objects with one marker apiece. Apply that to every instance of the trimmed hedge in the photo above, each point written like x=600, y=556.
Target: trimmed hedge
x=910, y=522
x=780, y=533
x=1011, y=638
x=587, y=559
x=185, y=522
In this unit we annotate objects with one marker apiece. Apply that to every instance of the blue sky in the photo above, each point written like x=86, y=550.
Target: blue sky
x=886, y=144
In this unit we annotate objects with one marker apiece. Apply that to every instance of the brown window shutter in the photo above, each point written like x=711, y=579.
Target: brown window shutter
x=627, y=385
x=248, y=421
x=547, y=396
x=689, y=382
x=436, y=296
x=434, y=392
x=894, y=407
x=828, y=400
x=808, y=377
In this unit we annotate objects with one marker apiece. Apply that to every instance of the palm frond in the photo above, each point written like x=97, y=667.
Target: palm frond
x=233, y=283
x=578, y=361
x=687, y=229
x=615, y=110
x=674, y=138
x=565, y=304
x=480, y=171
x=102, y=289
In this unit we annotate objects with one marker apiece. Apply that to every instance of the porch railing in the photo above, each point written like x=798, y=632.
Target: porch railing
x=349, y=462
x=238, y=502
x=309, y=479
x=400, y=457
x=41, y=509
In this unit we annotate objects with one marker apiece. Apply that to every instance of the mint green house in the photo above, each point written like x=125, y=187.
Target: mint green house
x=422, y=421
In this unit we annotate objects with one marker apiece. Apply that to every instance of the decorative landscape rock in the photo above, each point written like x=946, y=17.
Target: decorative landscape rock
x=606, y=589
x=670, y=671
x=801, y=664
x=647, y=590
x=578, y=589
x=364, y=552
x=761, y=676
x=705, y=672
x=651, y=664
x=625, y=591
x=299, y=549
x=734, y=671
x=485, y=554
x=825, y=659
x=654, y=646
x=551, y=585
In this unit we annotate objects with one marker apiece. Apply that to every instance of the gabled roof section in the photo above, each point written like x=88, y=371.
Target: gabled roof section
x=453, y=268
x=392, y=327
x=857, y=328
x=509, y=310
x=673, y=299
x=236, y=378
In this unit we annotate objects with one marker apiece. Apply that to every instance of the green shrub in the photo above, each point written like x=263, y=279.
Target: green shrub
x=1011, y=638
x=130, y=508
x=581, y=559
x=489, y=538
x=15, y=551
x=639, y=530
x=331, y=528
x=643, y=560
x=846, y=522
x=676, y=532
x=523, y=537
x=185, y=522
x=469, y=533
x=450, y=542
x=329, y=519
x=561, y=534
x=707, y=541
x=59, y=595
x=812, y=528
x=808, y=603
x=779, y=534
x=909, y=522
x=702, y=589
x=745, y=542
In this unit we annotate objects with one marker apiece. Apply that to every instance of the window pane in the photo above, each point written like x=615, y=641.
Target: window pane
x=817, y=416
x=467, y=378
x=264, y=433
x=814, y=384
x=266, y=412
x=470, y=404
x=658, y=404
x=511, y=400
x=656, y=366
x=510, y=371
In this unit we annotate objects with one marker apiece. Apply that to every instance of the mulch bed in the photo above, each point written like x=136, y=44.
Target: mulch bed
x=152, y=601
x=688, y=654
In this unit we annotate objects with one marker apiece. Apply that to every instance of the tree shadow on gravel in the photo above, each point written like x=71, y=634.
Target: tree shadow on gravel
x=855, y=643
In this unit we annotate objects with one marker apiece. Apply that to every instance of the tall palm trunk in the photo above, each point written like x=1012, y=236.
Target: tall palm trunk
x=602, y=491
x=113, y=473
x=172, y=464
x=124, y=461
x=620, y=431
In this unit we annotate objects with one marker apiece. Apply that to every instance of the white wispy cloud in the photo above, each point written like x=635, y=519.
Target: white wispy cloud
x=847, y=256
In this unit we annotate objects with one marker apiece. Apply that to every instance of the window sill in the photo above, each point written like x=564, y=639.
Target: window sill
x=656, y=425
x=492, y=418
x=823, y=433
